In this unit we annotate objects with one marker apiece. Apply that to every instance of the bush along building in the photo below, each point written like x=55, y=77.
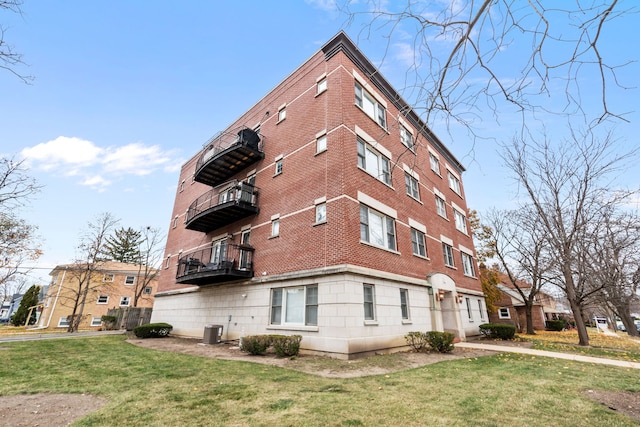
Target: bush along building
x=328, y=210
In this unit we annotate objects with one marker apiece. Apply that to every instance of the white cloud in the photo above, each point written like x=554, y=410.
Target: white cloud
x=97, y=166
x=404, y=53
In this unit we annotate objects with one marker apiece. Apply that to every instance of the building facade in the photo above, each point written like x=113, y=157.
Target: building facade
x=329, y=210
x=113, y=285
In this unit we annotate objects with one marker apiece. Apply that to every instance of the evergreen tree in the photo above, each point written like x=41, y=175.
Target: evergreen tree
x=29, y=299
x=123, y=246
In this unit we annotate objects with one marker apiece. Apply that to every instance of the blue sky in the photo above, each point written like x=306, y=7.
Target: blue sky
x=126, y=91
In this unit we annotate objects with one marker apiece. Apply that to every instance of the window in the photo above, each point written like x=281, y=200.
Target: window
x=295, y=306
x=406, y=138
x=63, y=322
x=468, y=301
x=404, y=303
x=370, y=106
x=108, y=278
x=278, y=167
x=175, y=222
x=129, y=280
x=167, y=261
x=503, y=313
x=467, y=265
x=447, y=250
x=461, y=221
x=124, y=301
x=373, y=162
x=321, y=213
x=480, y=309
x=377, y=229
x=454, y=183
x=441, y=207
x=412, y=186
x=96, y=321
x=147, y=290
x=369, y=302
x=275, y=228
x=282, y=114
x=103, y=299
x=435, y=163
x=321, y=144
x=418, y=244
x=321, y=85
x=182, y=186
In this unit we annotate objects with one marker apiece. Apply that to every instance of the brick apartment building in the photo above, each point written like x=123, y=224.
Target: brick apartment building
x=113, y=285
x=328, y=210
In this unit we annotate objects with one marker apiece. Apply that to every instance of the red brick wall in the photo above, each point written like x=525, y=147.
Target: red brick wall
x=333, y=174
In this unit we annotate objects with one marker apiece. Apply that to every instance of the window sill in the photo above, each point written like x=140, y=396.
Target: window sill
x=453, y=267
x=380, y=247
x=370, y=323
x=273, y=237
x=319, y=223
x=320, y=152
x=280, y=121
x=320, y=93
x=293, y=328
x=277, y=174
x=417, y=200
x=426, y=258
x=407, y=322
x=376, y=178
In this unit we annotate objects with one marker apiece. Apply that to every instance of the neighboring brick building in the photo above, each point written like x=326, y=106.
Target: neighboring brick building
x=113, y=286
x=330, y=210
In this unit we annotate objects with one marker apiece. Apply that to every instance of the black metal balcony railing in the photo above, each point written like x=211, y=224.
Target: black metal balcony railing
x=226, y=154
x=222, y=206
x=215, y=264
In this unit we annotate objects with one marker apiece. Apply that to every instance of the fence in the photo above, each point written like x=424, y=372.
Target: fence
x=130, y=317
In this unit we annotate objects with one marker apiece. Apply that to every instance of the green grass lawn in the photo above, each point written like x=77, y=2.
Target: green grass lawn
x=154, y=388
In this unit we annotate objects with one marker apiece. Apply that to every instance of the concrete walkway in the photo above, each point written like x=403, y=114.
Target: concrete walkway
x=544, y=353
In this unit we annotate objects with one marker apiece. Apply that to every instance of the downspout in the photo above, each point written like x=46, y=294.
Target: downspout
x=55, y=302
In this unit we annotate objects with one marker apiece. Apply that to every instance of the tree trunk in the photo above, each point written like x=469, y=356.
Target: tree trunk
x=576, y=308
x=529, y=316
x=628, y=323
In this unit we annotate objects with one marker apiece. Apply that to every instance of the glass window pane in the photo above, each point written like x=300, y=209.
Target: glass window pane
x=294, y=312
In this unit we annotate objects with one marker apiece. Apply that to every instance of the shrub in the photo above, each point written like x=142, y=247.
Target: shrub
x=556, y=325
x=417, y=341
x=109, y=322
x=153, y=330
x=498, y=330
x=256, y=344
x=286, y=346
x=442, y=342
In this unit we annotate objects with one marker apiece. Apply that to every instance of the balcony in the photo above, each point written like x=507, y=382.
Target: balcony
x=222, y=205
x=220, y=262
x=226, y=154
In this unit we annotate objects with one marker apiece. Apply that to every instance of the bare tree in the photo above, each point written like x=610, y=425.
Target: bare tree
x=458, y=52
x=10, y=60
x=84, y=272
x=151, y=250
x=568, y=187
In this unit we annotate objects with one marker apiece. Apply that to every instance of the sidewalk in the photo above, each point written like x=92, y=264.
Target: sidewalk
x=33, y=336
x=544, y=353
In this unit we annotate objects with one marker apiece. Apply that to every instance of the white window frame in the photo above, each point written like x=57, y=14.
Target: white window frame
x=412, y=186
x=321, y=213
x=148, y=290
x=503, y=316
x=96, y=321
x=167, y=262
x=373, y=162
x=275, y=227
x=469, y=313
x=441, y=206
x=406, y=138
x=321, y=85
x=278, y=167
x=282, y=113
x=454, y=183
x=125, y=301
x=106, y=301
x=447, y=251
x=129, y=283
x=321, y=143
x=384, y=235
x=404, y=304
x=418, y=242
x=434, y=163
x=305, y=313
x=370, y=106
x=480, y=309
x=467, y=264
x=369, y=302
x=63, y=322
x=460, y=220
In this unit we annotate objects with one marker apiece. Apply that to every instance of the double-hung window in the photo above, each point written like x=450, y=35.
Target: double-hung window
x=406, y=138
x=124, y=301
x=454, y=183
x=412, y=186
x=418, y=243
x=103, y=299
x=370, y=106
x=129, y=280
x=321, y=213
x=373, y=162
x=295, y=306
x=435, y=163
x=460, y=220
x=467, y=265
x=377, y=229
x=447, y=251
x=404, y=303
x=441, y=207
x=369, y=302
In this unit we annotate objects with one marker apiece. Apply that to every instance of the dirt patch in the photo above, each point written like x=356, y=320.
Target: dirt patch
x=50, y=410
x=625, y=402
